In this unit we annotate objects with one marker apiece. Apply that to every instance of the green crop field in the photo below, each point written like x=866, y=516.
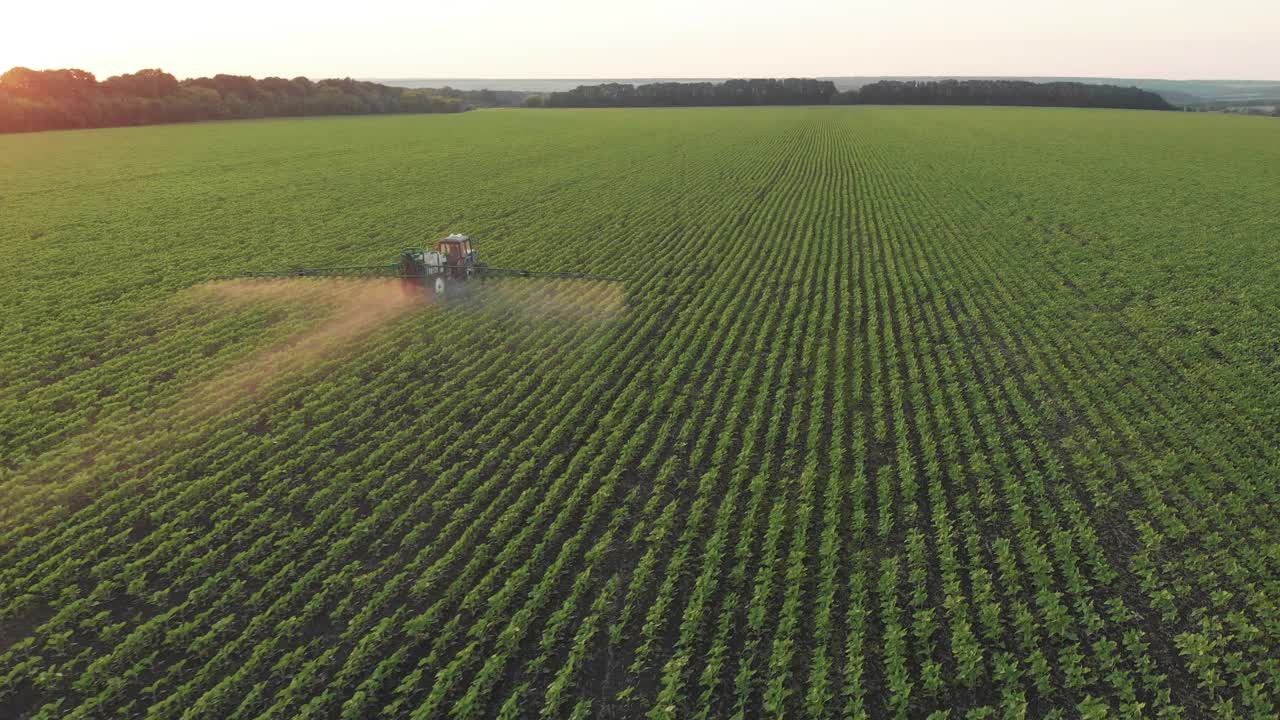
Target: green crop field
x=912, y=412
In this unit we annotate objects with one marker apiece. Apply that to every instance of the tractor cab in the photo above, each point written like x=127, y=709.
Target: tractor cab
x=452, y=260
x=459, y=258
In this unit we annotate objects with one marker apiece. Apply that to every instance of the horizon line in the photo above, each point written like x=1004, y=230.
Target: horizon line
x=815, y=77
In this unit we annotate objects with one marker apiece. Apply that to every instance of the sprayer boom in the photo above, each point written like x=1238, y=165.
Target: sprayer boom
x=453, y=261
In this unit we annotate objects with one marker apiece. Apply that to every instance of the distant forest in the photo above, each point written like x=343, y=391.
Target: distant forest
x=1003, y=92
x=33, y=100
x=791, y=91
x=60, y=99
x=807, y=91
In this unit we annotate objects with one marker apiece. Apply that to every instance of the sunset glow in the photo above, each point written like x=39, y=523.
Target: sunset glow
x=665, y=38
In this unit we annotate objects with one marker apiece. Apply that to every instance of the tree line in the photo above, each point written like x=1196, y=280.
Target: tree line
x=33, y=100
x=808, y=91
x=769, y=91
x=1002, y=92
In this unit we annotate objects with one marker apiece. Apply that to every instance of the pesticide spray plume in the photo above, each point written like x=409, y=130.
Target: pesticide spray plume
x=338, y=313
x=565, y=300
x=334, y=315
x=351, y=310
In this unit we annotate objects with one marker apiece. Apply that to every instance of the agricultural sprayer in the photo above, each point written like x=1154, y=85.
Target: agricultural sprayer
x=439, y=271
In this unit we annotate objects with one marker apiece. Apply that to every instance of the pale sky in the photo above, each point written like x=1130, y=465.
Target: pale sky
x=1177, y=39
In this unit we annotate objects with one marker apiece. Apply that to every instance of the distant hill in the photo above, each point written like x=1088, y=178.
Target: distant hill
x=1182, y=93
